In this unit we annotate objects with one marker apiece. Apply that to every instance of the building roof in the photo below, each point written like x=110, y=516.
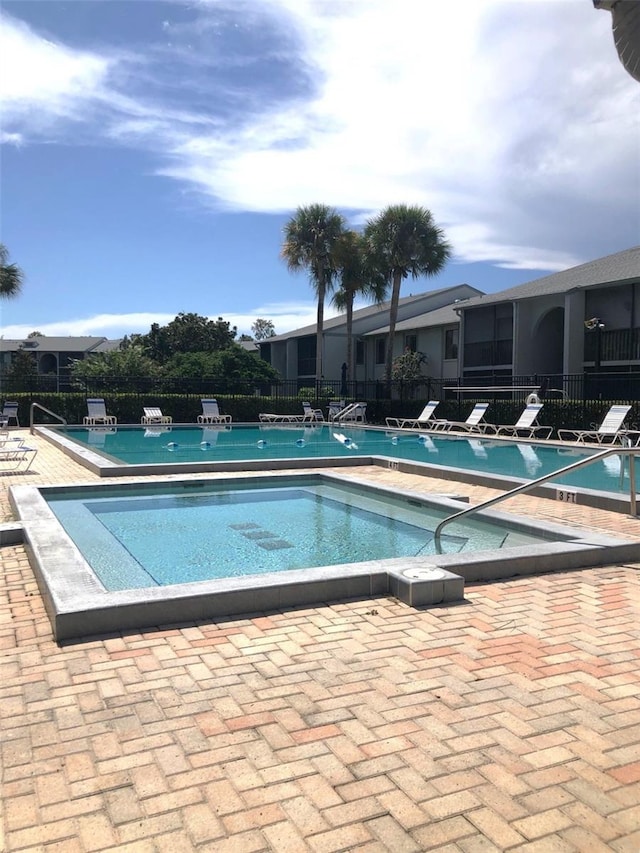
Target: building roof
x=368, y=311
x=619, y=267
x=45, y=343
x=445, y=316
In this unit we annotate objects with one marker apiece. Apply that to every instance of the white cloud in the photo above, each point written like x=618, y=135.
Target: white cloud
x=284, y=316
x=514, y=122
x=43, y=81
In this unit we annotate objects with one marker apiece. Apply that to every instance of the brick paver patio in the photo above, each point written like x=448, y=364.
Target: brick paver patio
x=508, y=722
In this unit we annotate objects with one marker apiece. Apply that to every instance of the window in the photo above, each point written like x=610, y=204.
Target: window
x=410, y=343
x=359, y=352
x=307, y=356
x=381, y=350
x=451, y=343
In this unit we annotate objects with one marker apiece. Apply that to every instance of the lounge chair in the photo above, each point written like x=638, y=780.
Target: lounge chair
x=311, y=414
x=472, y=424
x=335, y=406
x=9, y=413
x=15, y=452
x=610, y=430
x=354, y=412
x=421, y=422
x=153, y=415
x=525, y=426
x=211, y=413
x=97, y=413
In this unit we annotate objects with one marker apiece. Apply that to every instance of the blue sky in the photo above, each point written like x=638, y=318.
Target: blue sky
x=151, y=152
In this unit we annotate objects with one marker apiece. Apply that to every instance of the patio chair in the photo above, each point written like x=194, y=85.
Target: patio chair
x=525, y=426
x=421, y=422
x=311, y=414
x=15, y=452
x=335, y=406
x=9, y=413
x=153, y=415
x=610, y=430
x=211, y=413
x=472, y=424
x=354, y=412
x=97, y=413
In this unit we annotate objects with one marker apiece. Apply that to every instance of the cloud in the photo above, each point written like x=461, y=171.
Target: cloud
x=514, y=122
x=285, y=317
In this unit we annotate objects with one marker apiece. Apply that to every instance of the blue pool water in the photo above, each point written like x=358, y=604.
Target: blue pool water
x=147, y=536
x=139, y=445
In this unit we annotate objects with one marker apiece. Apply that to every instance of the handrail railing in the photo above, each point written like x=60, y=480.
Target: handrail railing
x=631, y=452
x=44, y=409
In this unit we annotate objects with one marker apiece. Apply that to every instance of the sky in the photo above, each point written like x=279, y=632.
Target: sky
x=152, y=152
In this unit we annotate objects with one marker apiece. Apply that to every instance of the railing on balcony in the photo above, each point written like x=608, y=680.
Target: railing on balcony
x=607, y=345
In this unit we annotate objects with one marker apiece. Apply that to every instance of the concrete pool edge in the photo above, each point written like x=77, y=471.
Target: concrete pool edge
x=78, y=605
x=102, y=466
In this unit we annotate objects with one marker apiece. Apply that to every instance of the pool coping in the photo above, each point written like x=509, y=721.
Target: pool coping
x=78, y=605
x=102, y=466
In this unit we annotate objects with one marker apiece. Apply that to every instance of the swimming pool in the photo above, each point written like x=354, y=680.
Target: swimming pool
x=125, y=450
x=94, y=578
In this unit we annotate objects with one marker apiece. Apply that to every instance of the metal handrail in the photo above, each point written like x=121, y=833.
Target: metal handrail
x=44, y=409
x=631, y=452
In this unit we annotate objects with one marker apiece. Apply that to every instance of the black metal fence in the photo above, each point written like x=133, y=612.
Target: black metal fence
x=621, y=386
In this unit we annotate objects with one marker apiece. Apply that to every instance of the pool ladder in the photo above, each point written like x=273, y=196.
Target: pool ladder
x=625, y=451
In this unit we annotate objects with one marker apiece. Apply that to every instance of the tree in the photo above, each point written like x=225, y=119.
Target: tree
x=404, y=240
x=124, y=366
x=310, y=239
x=23, y=367
x=11, y=276
x=35, y=335
x=262, y=329
x=358, y=277
x=407, y=369
x=186, y=333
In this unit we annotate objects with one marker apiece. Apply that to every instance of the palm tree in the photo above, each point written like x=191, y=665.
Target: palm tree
x=357, y=278
x=404, y=240
x=310, y=239
x=11, y=276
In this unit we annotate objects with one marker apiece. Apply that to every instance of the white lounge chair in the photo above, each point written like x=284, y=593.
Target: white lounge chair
x=211, y=413
x=9, y=413
x=97, y=413
x=153, y=415
x=421, y=422
x=15, y=452
x=610, y=430
x=472, y=424
x=526, y=426
x=354, y=413
x=335, y=406
x=311, y=414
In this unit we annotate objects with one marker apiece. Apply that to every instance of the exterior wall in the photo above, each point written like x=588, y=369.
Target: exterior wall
x=530, y=347
x=574, y=332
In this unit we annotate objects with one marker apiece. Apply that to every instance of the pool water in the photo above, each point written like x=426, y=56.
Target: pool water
x=520, y=460
x=148, y=537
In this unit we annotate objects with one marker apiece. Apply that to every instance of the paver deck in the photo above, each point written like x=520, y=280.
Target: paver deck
x=508, y=722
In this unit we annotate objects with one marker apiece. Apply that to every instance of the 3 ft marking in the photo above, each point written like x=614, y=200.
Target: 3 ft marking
x=566, y=496
x=393, y=465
